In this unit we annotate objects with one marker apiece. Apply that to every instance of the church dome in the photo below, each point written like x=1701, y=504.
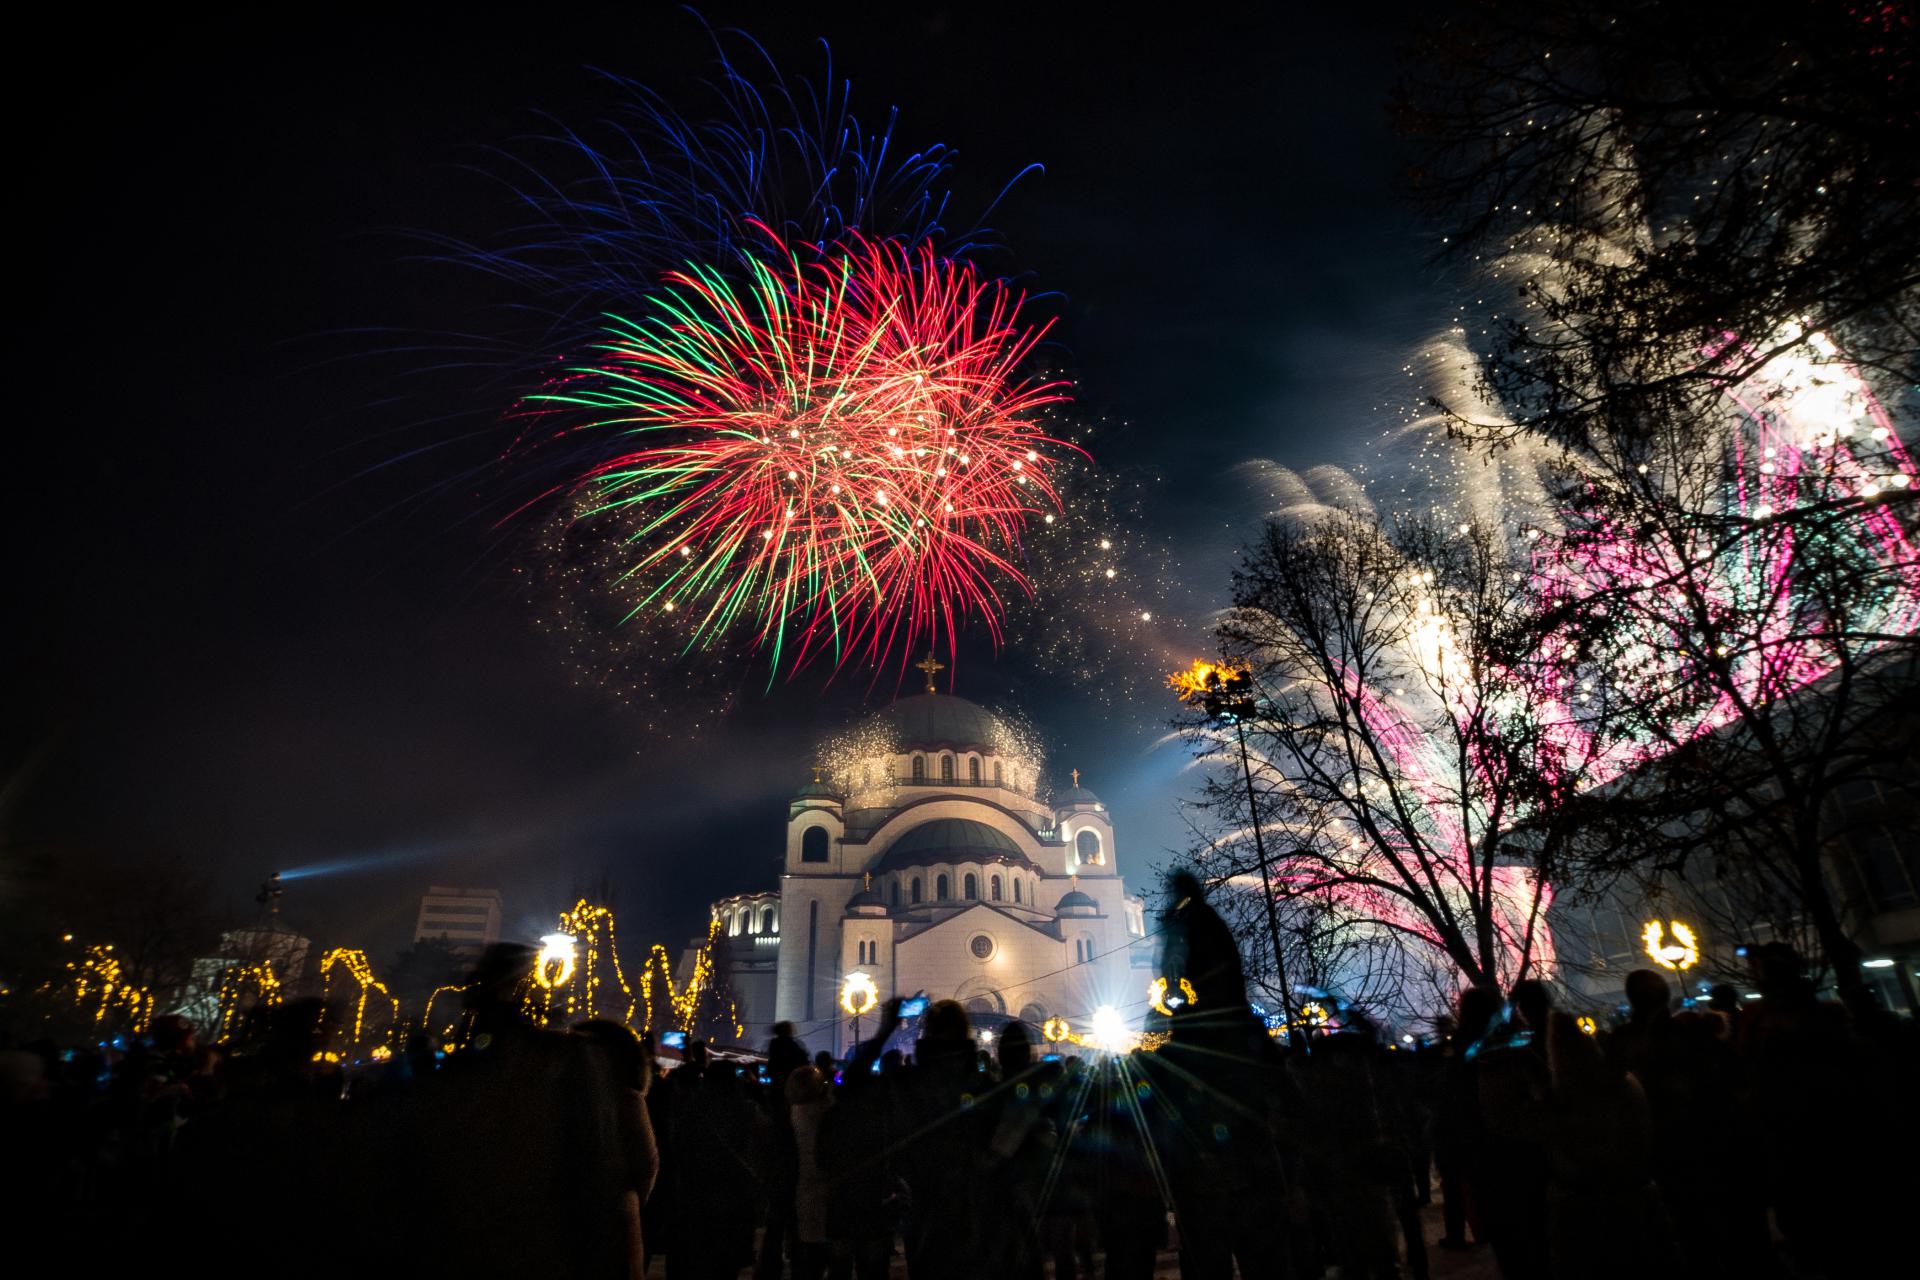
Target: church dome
x=951, y=840
x=942, y=720
x=1074, y=902
x=817, y=790
x=1075, y=795
x=866, y=903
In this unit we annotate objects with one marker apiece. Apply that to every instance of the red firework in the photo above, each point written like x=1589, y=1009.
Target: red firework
x=839, y=455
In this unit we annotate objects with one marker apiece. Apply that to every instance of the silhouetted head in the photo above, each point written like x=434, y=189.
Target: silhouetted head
x=947, y=1021
x=823, y=1062
x=1183, y=885
x=946, y=1034
x=695, y=1056
x=1580, y=1071
x=1478, y=1007
x=1724, y=998
x=1777, y=968
x=1648, y=994
x=172, y=1034
x=1016, y=1049
x=783, y=1030
x=1531, y=997
x=494, y=985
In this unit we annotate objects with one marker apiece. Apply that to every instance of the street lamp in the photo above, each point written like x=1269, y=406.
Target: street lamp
x=1671, y=944
x=858, y=994
x=1224, y=694
x=556, y=949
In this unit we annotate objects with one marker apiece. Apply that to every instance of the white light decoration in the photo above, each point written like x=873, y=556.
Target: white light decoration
x=556, y=949
x=1109, y=1028
x=1672, y=945
x=859, y=993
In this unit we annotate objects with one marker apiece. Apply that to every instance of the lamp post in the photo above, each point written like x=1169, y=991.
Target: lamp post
x=1225, y=694
x=858, y=994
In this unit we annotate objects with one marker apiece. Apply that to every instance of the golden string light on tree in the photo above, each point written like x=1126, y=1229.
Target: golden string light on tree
x=97, y=980
x=448, y=1035
x=599, y=957
x=355, y=963
x=683, y=1005
x=237, y=983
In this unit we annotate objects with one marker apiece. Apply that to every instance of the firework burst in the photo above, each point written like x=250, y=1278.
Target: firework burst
x=836, y=457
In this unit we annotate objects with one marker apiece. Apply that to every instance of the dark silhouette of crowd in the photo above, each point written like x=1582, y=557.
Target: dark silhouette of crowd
x=1767, y=1137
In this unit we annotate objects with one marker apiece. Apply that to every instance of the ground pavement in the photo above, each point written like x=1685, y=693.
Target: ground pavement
x=1444, y=1264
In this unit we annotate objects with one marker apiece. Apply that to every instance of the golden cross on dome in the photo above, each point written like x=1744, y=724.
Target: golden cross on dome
x=869, y=881
x=1076, y=779
x=816, y=773
x=929, y=665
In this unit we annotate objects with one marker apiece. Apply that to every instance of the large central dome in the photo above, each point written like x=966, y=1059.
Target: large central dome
x=952, y=840
x=942, y=720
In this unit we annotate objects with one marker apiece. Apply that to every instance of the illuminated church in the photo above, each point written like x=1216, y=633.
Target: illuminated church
x=928, y=855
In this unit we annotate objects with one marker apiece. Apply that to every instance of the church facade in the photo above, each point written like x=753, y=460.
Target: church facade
x=929, y=857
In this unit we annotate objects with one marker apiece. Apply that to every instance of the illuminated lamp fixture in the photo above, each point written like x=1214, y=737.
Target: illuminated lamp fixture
x=1164, y=1003
x=1671, y=944
x=557, y=951
x=859, y=993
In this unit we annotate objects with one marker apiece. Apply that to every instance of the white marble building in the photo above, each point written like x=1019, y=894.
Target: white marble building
x=929, y=855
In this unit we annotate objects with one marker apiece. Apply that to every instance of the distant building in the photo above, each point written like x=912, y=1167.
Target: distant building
x=468, y=919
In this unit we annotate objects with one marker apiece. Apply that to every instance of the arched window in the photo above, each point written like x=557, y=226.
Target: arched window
x=916, y=888
x=997, y=779
x=766, y=920
x=896, y=894
x=813, y=845
x=973, y=769
x=971, y=886
x=1016, y=888
x=1088, y=846
x=919, y=769
x=940, y=889
x=993, y=888
x=733, y=923
x=753, y=921
x=946, y=768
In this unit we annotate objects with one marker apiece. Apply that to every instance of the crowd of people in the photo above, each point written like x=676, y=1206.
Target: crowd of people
x=1755, y=1138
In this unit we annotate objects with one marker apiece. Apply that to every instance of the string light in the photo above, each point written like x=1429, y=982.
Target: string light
x=355, y=963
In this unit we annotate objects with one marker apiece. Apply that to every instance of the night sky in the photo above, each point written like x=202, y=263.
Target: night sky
x=252, y=631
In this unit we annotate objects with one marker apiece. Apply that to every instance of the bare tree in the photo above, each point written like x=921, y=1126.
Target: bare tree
x=1698, y=248
x=1403, y=777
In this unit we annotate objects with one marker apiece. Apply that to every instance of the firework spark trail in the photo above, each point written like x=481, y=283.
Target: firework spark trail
x=1802, y=430
x=839, y=454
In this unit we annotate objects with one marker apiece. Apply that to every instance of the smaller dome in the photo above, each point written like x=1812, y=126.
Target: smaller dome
x=1073, y=796
x=817, y=790
x=1076, y=902
x=866, y=903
